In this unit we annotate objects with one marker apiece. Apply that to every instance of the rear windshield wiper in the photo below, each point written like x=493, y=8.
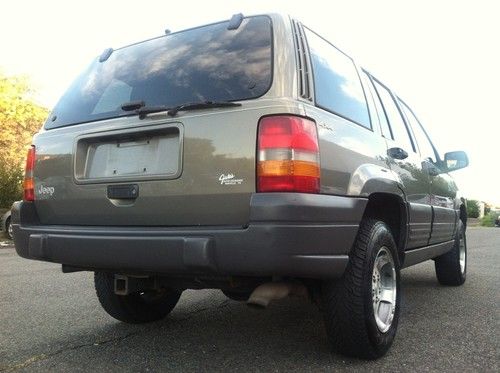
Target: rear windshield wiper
x=143, y=110
x=200, y=105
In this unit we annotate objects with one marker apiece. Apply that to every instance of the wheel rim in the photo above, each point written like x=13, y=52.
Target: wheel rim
x=384, y=289
x=462, y=253
x=9, y=231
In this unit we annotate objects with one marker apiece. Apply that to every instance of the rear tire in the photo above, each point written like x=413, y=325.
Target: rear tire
x=451, y=267
x=135, y=308
x=361, y=310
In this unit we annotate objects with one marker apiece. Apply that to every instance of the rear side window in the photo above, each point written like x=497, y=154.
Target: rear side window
x=337, y=86
x=423, y=142
x=209, y=63
x=398, y=126
x=384, y=124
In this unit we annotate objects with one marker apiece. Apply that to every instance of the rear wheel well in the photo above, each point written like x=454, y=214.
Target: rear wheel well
x=390, y=209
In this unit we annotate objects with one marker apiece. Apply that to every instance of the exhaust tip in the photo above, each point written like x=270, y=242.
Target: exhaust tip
x=265, y=293
x=258, y=302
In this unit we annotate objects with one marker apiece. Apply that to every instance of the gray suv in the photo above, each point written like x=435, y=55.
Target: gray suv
x=251, y=156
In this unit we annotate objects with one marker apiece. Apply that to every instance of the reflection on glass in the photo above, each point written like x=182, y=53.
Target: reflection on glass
x=208, y=63
x=398, y=126
x=336, y=81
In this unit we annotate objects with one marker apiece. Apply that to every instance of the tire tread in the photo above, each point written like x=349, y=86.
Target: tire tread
x=343, y=301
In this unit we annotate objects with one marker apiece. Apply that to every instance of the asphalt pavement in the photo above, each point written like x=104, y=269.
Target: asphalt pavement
x=50, y=321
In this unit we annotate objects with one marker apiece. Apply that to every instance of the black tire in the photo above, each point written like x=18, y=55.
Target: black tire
x=8, y=229
x=347, y=303
x=449, y=271
x=134, y=308
x=240, y=296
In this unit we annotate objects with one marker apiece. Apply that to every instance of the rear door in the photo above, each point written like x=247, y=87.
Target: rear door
x=406, y=162
x=443, y=189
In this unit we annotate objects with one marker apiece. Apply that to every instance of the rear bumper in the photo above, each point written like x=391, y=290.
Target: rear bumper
x=289, y=234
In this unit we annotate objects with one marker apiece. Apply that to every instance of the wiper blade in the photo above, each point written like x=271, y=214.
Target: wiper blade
x=143, y=111
x=200, y=105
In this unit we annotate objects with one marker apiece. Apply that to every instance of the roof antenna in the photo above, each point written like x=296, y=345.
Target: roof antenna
x=167, y=31
x=235, y=21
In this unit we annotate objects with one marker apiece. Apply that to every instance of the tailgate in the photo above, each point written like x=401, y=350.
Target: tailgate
x=195, y=170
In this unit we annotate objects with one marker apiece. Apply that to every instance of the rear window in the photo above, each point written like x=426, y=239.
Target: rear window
x=209, y=63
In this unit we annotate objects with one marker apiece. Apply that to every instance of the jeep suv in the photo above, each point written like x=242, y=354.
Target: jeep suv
x=251, y=156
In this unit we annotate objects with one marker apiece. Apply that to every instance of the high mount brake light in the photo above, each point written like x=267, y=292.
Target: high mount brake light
x=288, y=155
x=29, y=183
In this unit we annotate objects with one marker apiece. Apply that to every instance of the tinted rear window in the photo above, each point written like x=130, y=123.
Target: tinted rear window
x=206, y=63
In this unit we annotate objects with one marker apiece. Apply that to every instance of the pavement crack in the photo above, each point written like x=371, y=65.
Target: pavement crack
x=42, y=357
x=24, y=364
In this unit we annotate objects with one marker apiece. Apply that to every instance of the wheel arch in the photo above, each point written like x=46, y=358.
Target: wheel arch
x=392, y=210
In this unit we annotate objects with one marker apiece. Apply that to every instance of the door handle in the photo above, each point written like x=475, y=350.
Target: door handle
x=397, y=153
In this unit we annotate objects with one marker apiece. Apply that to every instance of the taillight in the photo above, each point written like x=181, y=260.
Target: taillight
x=29, y=183
x=288, y=155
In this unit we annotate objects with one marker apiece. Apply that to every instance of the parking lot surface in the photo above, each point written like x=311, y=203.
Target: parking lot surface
x=50, y=321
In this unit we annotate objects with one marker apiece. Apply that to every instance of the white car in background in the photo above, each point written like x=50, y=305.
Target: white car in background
x=5, y=226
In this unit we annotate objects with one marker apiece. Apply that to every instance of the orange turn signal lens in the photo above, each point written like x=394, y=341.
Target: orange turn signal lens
x=288, y=168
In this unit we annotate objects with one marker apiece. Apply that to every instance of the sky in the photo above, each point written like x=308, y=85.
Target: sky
x=441, y=57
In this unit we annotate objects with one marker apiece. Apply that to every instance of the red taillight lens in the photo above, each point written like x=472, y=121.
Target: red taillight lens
x=288, y=155
x=29, y=183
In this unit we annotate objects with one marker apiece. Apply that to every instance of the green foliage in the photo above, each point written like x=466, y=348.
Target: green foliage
x=20, y=118
x=472, y=208
x=10, y=184
x=489, y=219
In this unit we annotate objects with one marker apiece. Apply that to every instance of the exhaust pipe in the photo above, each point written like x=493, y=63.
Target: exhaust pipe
x=265, y=293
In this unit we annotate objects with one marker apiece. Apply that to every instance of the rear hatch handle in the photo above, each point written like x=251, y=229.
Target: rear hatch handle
x=123, y=191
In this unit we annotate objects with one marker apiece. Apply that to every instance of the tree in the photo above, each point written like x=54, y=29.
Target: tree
x=472, y=208
x=20, y=118
x=10, y=184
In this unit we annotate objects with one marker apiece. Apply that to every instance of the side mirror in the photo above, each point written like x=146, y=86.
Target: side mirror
x=455, y=160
